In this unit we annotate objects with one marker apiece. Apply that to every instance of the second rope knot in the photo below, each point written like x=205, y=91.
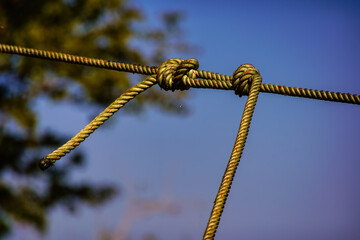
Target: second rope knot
x=243, y=78
x=171, y=73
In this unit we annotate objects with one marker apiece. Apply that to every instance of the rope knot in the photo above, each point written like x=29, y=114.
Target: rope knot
x=172, y=73
x=243, y=78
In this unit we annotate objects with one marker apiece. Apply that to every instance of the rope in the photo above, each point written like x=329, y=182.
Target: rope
x=173, y=67
x=196, y=79
x=68, y=58
x=50, y=159
x=246, y=75
x=178, y=74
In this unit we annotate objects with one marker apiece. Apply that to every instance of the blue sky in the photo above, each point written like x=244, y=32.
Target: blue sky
x=299, y=173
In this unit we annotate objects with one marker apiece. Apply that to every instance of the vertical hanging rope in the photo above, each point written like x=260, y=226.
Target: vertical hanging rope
x=244, y=76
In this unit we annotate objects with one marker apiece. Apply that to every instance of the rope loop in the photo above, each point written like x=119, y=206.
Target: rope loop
x=172, y=71
x=243, y=78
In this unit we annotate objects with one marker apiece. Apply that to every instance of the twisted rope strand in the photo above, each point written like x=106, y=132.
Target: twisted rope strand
x=239, y=145
x=68, y=58
x=310, y=93
x=131, y=93
x=279, y=89
x=198, y=79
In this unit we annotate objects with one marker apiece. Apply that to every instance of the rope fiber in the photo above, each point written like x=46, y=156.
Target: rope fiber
x=178, y=74
x=196, y=78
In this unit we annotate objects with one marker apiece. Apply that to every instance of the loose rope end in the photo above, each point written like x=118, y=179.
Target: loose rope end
x=45, y=163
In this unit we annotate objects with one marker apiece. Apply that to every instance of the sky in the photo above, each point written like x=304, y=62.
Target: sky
x=299, y=173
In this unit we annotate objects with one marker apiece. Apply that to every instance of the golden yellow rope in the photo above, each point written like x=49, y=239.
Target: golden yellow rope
x=196, y=79
x=50, y=159
x=246, y=75
x=178, y=74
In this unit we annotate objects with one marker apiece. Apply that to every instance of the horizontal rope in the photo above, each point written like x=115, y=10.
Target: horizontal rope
x=69, y=58
x=202, y=79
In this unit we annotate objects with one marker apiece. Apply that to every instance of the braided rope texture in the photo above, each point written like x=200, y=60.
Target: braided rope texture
x=169, y=74
x=68, y=58
x=178, y=74
x=246, y=75
x=194, y=78
x=50, y=159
